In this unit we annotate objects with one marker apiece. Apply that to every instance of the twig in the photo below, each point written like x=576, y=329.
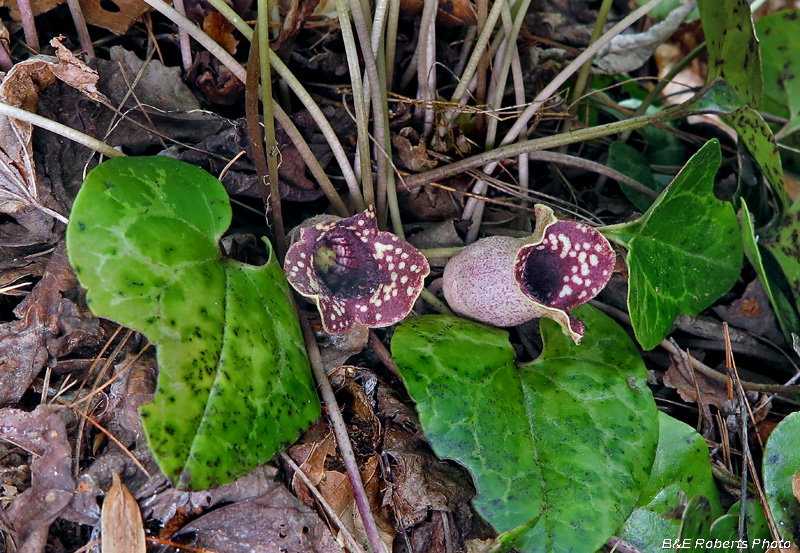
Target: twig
x=28, y=25
x=80, y=26
x=342, y=438
x=240, y=73
x=183, y=39
x=383, y=353
x=355, y=547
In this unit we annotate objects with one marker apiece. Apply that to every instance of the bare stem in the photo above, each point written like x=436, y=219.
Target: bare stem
x=342, y=438
x=80, y=26
x=239, y=72
x=28, y=25
x=183, y=39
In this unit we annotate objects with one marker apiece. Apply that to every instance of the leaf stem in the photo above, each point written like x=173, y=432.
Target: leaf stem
x=239, y=72
x=362, y=115
x=551, y=90
x=269, y=127
x=429, y=297
x=432, y=253
x=342, y=438
x=544, y=143
x=61, y=130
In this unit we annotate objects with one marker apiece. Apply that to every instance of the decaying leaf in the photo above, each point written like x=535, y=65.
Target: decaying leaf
x=121, y=521
x=116, y=16
x=628, y=52
x=49, y=325
x=273, y=521
x=415, y=157
x=43, y=432
x=20, y=88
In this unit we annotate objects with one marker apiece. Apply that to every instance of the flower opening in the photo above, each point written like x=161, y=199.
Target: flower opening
x=356, y=273
x=506, y=281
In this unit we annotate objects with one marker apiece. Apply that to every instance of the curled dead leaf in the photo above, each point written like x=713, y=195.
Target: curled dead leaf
x=121, y=521
x=21, y=88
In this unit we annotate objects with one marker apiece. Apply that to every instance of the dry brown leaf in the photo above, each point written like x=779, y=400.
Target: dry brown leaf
x=451, y=13
x=121, y=521
x=274, y=521
x=94, y=11
x=43, y=433
x=414, y=156
x=21, y=88
x=220, y=29
x=49, y=325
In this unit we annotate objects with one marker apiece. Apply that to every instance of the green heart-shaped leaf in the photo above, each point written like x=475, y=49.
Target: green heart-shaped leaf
x=681, y=467
x=234, y=383
x=781, y=467
x=570, y=436
x=684, y=253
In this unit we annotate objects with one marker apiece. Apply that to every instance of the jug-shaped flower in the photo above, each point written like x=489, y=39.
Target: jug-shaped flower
x=504, y=281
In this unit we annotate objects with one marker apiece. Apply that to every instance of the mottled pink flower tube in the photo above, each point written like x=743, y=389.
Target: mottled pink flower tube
x=505, y=281
x=355, y=273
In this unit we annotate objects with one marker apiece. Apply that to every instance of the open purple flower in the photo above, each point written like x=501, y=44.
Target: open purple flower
x=356, y=273
x=506, y=281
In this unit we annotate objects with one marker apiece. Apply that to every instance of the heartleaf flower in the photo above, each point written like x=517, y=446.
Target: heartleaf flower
x=355, y=273
x=504, y=281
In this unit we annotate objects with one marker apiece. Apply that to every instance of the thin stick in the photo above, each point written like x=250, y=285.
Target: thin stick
x=80, y=26
x=302, y=94
x=268, y=106
x=699, y=366
x=28, y=25
x=342, y=438
x=183, y=39
x=355, y=547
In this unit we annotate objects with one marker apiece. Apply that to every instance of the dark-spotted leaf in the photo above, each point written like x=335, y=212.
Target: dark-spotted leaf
x=781, y=466
x=782, y=303
x=569, y=437
x=779, y=35
x=757, y=137
x=681, y=469
x=234, y=384
x=733, y=54
x=785, y=250
x=684, y=253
